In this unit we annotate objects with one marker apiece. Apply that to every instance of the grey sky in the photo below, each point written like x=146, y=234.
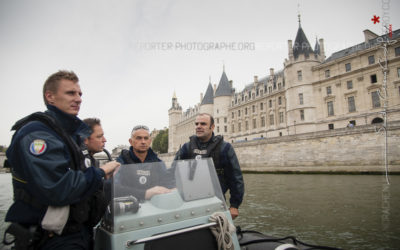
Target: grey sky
x=128, y=77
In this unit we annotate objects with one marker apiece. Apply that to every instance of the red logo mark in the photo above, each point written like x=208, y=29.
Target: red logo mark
x=375, y=19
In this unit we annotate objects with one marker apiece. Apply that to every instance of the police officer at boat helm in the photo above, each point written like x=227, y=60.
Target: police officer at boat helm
x=145, y=176
x=95, y=142
x=53, y=188
x=206, y=144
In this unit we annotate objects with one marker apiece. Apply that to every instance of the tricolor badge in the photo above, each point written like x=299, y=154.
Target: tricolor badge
x=38, y=147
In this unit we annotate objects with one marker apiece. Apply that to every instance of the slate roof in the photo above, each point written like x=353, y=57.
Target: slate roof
x=209, y=96
x=301, y=44
x=362, y=46
x=264, y=80
x=317, y=48
x=224, y=87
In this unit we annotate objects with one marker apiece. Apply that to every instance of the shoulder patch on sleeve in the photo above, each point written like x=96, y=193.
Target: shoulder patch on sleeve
x=38, y=147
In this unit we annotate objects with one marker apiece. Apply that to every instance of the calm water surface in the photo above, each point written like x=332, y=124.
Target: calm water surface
x=346, y=211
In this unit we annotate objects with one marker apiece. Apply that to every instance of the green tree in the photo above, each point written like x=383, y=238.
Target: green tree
x=3, y=148
x=160, y=143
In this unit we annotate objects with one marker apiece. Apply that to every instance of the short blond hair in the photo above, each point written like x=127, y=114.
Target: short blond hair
x=52, y=83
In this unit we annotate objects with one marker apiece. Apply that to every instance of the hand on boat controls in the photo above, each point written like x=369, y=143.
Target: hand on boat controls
x=110, y=167
x=234, y=212
x=127, y=204
x=156, y=190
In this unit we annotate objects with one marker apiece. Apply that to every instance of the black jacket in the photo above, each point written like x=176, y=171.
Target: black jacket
x=47, y=170
x=140, y=177
x=226, y=164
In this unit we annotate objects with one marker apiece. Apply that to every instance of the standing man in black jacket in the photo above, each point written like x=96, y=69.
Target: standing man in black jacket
x=206, y=144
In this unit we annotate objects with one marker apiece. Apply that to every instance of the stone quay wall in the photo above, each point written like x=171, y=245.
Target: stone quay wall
x=347, y=150
x=2, y=158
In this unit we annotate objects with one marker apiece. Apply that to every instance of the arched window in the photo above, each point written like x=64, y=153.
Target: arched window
x=377, y=120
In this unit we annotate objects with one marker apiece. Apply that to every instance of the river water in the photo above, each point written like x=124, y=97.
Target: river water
x=344, y=211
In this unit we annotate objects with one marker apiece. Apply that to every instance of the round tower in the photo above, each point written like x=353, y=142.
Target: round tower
x=222, y=100
x=207, y=103
x=174, y=115
x=300, y=105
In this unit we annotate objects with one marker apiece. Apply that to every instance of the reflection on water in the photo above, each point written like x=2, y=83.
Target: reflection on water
x=346, y=211
x=385, y=206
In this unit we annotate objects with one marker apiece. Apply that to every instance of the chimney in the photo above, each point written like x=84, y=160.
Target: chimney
x=290, y=48
x=271, y=71
x=255, y=79
x=369, y=35
x=231, y=83
x=215, y=88
x=201, y=97
x=322, y=48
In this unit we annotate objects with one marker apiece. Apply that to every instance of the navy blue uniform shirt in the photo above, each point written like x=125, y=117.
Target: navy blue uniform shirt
x=43, y=168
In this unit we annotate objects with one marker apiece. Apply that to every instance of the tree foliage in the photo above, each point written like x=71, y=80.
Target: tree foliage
x=160, y=143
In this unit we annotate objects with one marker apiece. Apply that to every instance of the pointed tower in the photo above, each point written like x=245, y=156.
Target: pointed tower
x=222, y=99
x=300, y=105
x=174, y=115
x=301, y=45
x=319, y=52
x=207, y=104
x=224, y=87
x=317, y=48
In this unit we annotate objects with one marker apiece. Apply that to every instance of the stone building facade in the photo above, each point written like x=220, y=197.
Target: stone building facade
x=311, y=93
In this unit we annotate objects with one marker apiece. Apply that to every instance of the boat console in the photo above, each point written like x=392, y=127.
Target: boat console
x=179, y=219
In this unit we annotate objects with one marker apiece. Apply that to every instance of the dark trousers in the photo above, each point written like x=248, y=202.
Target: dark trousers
x=81, y=240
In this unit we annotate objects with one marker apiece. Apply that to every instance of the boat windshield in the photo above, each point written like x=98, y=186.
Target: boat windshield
x=150, y=194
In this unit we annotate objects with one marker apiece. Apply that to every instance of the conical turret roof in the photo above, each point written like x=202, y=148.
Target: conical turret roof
x=317, y=48
x=224, y=87
x=301, y=44
x=209, y=96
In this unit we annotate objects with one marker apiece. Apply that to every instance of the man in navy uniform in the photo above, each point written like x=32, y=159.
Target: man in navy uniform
x=52, y=185
x=96, y=141
x=150, y=179
x=206, y=144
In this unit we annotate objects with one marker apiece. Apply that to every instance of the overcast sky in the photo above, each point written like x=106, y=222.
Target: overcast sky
x=132, y=55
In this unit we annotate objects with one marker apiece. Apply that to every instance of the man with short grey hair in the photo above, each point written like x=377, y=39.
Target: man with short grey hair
x=156, y=181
